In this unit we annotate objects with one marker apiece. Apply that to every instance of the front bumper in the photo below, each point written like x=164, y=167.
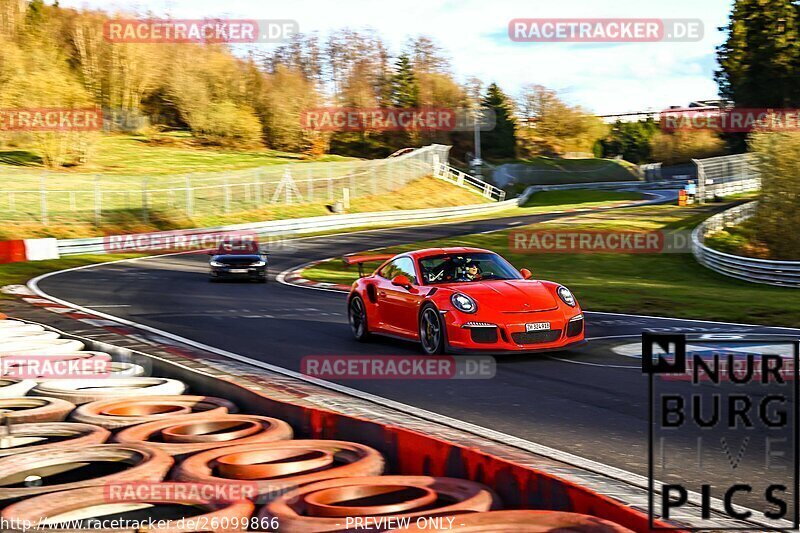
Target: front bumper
x=506, y=332
x=248, y=273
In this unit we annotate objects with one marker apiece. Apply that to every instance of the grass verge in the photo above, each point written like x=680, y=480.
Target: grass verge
x=580, y=197
x=160, y=155
x=649, y=284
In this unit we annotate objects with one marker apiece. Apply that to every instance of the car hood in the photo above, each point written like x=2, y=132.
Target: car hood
x=511, y=296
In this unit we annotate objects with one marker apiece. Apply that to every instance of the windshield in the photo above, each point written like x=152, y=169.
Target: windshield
x=457, y=268
x=237, y=258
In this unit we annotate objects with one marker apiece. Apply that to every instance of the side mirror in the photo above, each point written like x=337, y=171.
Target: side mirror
x=526, y=274
x=401, y=281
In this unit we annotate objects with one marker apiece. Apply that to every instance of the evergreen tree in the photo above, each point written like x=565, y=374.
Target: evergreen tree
x=501, y=141
x=405, y=90
x=760, y=60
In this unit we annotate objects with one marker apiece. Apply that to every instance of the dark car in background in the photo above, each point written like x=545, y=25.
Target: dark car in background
x=251, y=267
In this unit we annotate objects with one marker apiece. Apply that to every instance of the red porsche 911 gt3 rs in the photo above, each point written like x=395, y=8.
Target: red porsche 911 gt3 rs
x=462, y=300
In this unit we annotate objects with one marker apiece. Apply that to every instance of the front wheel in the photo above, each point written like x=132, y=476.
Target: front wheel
x=431, y=331
x=357, y=316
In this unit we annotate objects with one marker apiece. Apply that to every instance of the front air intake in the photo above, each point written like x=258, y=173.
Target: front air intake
x=575, y=327
x=536, y=337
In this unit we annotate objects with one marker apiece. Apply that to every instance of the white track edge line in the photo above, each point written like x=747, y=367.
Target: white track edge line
x=617, y=474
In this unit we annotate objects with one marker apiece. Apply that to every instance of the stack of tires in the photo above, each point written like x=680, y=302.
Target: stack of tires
x=127, y=449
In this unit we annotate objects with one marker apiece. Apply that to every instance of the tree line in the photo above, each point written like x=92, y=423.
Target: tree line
x=51, y=56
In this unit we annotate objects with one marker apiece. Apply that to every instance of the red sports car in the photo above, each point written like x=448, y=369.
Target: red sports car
x=462, y=300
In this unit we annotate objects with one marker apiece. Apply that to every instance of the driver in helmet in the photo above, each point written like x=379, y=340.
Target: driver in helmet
x=472, y=271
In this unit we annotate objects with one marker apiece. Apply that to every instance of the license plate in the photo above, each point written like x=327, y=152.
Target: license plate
x=238, y=271
x=537, y=326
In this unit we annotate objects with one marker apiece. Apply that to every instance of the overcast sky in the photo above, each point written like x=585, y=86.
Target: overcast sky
x=605, y=78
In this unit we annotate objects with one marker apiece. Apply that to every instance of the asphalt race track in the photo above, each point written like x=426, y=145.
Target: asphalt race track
x=591, y=402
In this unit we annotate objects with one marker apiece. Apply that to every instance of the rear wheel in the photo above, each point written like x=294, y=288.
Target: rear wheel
x=357, y=316
x=431, y=330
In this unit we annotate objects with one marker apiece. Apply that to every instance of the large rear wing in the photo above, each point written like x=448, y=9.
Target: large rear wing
x=360, y=259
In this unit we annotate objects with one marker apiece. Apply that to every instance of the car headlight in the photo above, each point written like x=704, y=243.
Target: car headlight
x=215, y=264
x=566, y=296
x=464, y=303
x=259, y=264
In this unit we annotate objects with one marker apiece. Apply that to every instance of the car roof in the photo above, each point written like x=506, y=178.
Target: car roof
x=455, y=250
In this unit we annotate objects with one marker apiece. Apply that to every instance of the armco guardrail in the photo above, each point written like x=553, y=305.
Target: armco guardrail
x=607, y=185
x=782, y=273
x=296, y=226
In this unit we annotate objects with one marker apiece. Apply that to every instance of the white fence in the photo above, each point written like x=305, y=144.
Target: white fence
x=63, y=198
x=420, y=162
x=783, y=273
x=462, y=179
x=726, y=175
